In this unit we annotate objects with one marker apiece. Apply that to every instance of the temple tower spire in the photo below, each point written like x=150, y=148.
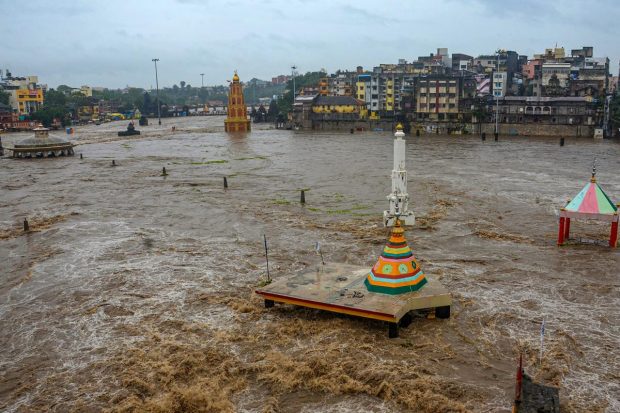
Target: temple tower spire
x=237, y=119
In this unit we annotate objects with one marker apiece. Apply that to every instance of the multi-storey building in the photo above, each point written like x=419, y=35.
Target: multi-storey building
x=444, y=98
x=324, y=86
x=547, y=110
x=362, y=88
x=342, y=84
x=26, y=95
x=558, y=70
x=532, y=69
x=500, y=84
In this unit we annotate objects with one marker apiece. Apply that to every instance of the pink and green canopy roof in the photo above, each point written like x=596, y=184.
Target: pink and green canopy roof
x=591, y=202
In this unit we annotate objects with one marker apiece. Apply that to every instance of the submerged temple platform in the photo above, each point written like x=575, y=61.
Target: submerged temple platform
x=340, y=288
x=42, y=145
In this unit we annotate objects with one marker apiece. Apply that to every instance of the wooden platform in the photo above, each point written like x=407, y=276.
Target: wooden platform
x=340, y=288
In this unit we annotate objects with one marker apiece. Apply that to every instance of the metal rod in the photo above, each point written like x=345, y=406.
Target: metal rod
x=267, y=257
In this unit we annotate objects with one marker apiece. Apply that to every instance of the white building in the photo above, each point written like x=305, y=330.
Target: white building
x=560, y=70
x=500, y=84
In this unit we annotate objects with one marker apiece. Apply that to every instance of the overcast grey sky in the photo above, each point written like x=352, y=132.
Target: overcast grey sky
x=111, y=43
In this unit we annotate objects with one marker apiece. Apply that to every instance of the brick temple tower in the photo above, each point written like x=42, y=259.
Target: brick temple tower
x=237, y=119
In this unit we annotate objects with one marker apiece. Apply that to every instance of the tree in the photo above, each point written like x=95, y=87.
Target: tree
x=273, y=111
x=480, y=111
x=262, y=113
x=64, y=89
x=55, y=98
x=4, y=97
x=47, y=114
x=285, y=102
x=147, y=105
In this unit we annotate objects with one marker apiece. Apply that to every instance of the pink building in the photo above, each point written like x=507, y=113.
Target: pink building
x=530, y=68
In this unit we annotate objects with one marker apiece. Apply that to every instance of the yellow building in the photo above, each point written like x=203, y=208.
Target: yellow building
x=336, y=104
x=389, y=94
x=360, y=90
x=28, y=100
x=323, y=86
x=90, y=111
x=86, y=90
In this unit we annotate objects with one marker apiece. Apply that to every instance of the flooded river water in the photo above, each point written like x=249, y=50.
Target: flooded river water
x=134, y=292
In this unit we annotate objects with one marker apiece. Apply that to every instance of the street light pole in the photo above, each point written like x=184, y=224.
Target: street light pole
x=157, y=85
x=497, y=102
x=293, y=75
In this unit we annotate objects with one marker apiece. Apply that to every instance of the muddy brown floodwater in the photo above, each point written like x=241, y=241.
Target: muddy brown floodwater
x=134, y=292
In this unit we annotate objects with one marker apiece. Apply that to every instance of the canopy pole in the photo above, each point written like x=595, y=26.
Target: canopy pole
x=613, y=237
x=561, y=231
x=566, y=228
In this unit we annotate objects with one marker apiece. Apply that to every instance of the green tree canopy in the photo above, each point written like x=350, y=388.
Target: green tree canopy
x=4, y=97
x=285, y=102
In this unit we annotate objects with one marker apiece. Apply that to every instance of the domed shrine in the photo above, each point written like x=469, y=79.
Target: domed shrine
x=42, y=145
x=237, y=119
x=396, y=271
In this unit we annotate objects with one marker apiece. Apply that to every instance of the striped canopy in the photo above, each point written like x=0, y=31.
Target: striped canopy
x=591, y=202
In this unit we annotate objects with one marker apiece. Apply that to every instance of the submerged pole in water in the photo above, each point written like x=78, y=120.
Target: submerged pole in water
x=302, y=197
x=81, y=156
x=225, y=183
x=267, y=257
x=542, y=340
x=519, y=384
x=26, y=225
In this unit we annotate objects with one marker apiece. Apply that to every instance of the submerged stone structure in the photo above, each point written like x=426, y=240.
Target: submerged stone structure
x=42, y=145
x=396, y=271
x=237, y=119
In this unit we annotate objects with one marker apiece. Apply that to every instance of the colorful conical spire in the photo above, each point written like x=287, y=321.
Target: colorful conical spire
x=396, y=271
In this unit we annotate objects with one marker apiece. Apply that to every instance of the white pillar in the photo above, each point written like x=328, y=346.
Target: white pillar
x=399, y=198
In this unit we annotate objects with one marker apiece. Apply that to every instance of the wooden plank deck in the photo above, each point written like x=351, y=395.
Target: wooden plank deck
x=340, y=288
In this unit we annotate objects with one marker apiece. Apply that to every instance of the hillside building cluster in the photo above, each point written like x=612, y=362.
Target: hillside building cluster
x=544, y=94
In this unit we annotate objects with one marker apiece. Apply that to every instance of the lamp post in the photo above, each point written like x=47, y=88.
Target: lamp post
x=497, y=99
x=157, y=85
x=293, y=75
